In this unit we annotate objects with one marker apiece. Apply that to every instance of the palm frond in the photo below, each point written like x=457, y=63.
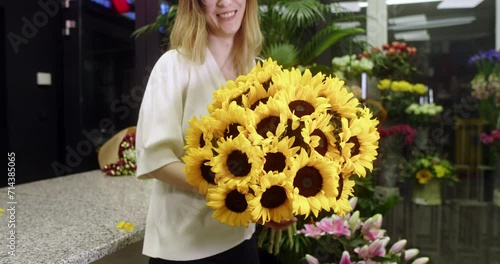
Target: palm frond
x=323, y=40
x=284, y=53
x=301, y=14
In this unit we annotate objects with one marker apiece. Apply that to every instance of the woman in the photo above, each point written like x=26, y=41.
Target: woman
x=211, y=42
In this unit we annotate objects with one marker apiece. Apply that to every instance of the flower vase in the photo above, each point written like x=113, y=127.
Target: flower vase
x=428, y=193
x=390, y=170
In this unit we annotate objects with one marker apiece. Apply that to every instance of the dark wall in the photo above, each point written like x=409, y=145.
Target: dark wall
x=3, y=90
x=32, y=45
x=147, y=46
x=56, y=130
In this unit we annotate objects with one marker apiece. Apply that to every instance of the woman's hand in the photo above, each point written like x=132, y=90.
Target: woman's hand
x=281, y=225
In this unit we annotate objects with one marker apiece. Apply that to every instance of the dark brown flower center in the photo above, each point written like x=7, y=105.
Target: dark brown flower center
x=207, y=173
x=236, y=202
x=268, y=124
x=322, y=147
x=275, y=162
x=355, y=148
x=237, y=163
x=202, y=141
x=309, y=181
x=239, y=100
x=340, y=187
x=263, y=100
x=301, y=108
x=298, y=139
x=273, y=197
x=266, y=84
x=232, y=130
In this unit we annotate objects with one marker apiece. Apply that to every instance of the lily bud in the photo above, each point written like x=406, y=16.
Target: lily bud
x=411, y=253
x=422, y=260
x=398, y=246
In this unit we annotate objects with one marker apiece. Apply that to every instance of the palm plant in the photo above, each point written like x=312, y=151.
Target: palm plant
x=297, y=32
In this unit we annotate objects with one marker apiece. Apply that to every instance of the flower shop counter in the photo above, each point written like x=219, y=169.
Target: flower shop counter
x=71, y=219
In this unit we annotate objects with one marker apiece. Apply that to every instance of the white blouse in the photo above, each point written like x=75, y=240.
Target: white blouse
x=179, y=225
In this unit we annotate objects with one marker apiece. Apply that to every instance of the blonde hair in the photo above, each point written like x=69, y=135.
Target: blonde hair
x=190, y=34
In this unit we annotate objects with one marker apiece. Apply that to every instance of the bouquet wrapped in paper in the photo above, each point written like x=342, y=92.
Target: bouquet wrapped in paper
x=278, y=143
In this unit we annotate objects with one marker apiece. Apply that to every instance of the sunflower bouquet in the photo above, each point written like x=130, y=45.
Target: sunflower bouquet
x=278, y=143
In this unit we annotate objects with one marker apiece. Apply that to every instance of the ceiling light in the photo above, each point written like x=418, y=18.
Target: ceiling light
x=455, y=4
x=436, y=23
x=408, y=19
x=404, y=2
x=418, y=35
x=346, y=25
x=400, y=2
x=345, y=7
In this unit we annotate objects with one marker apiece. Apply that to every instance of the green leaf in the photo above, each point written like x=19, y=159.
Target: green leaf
x=285, y=54
x=323, y=40
x=301, y=14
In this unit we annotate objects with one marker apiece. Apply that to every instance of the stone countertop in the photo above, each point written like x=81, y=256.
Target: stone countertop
x=72, y=219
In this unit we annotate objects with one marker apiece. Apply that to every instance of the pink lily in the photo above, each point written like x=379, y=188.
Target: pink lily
x=377, y=248
x=362, y=251
x=398, y=246
x=311, y=260
x=334, y=226
x=311, y=230
x=346, y=258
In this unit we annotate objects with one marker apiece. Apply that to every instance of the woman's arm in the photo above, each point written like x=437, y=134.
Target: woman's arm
x=173, y=174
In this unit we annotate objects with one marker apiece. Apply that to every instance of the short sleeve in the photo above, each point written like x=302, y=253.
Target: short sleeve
x=159, y=137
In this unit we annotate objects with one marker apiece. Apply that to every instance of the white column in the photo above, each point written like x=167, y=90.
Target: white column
x=376, y=27
x=497, y=24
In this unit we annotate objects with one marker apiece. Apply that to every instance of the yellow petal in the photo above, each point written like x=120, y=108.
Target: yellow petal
x=120, y=225
x=128, y=226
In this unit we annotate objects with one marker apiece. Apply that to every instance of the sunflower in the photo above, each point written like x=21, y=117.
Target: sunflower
x=423, y=176
x=229, y=121
x=267, y=120
x=318, y=134
x=238, y=161
x=257, y=94
x=199, y=134
x=294, y=77
x=343, y=103
x=273, y=198
x=358, y=146
x=303, y=100
x=263, y=72
x=315, y=183
x=230, y=204
x=232, y=91
x=198, y=171
x=341, y=203
x=279, y=155
x=367, y=113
